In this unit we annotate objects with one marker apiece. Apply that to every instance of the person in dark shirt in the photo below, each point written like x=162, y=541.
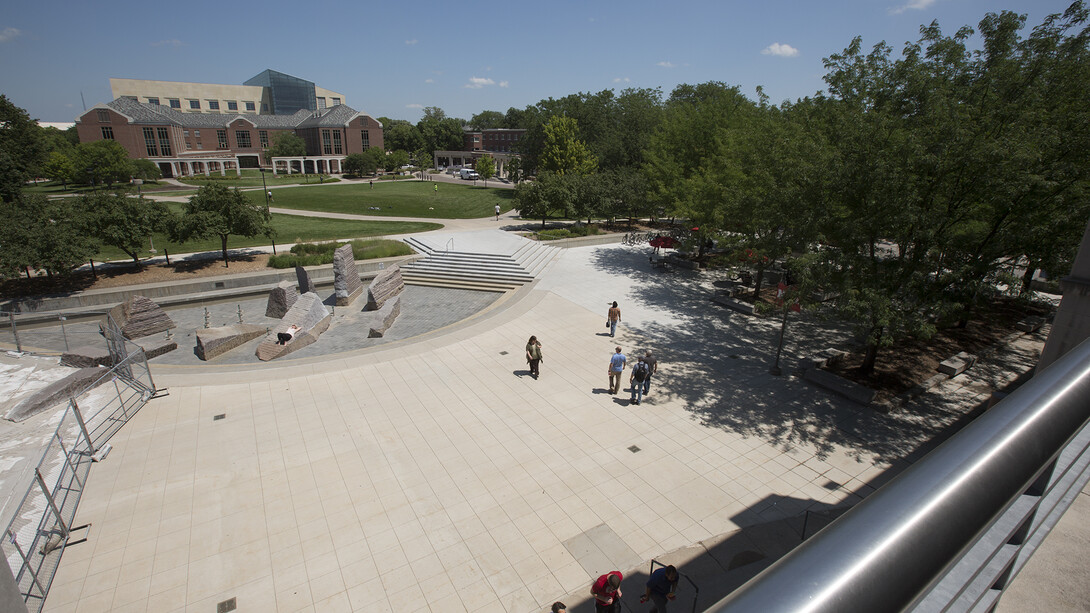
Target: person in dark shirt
x=661, y=588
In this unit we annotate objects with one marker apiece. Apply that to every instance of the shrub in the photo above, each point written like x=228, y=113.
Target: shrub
x=315, y=254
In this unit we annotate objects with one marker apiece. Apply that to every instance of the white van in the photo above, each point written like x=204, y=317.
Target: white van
x=469, y=174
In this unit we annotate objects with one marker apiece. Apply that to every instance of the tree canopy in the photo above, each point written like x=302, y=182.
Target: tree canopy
x=216, y=211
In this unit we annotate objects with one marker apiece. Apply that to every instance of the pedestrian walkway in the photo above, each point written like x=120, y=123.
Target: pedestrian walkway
x=437, y=475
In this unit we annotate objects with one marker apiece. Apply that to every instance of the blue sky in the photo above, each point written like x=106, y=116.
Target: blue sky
x=391, y=59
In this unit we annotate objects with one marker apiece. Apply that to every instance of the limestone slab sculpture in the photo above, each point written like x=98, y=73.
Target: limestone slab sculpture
x=214, y=342
x=280, y=299
x=139, y=316
x=310, y=315
x=57, y=392
x=305, y=284
x=384, y=286
x=384, y=317
x=346, y=278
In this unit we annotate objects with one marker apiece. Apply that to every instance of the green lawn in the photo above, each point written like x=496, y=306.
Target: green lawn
x=251, y=177
x=396, y=199
x=289, y=229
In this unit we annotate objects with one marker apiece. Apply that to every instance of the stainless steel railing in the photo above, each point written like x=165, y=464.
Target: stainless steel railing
x=951, y=531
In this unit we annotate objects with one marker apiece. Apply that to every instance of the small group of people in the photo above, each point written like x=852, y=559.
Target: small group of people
x=639, y=380
x=660, y=589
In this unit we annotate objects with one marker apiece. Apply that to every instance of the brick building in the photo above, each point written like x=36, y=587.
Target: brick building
x=499, y=143
x=203, y=140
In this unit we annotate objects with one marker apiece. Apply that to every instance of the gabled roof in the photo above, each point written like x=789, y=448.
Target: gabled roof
x=155, y=114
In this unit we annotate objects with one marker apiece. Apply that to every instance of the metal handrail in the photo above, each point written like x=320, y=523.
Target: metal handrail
x=886, y=553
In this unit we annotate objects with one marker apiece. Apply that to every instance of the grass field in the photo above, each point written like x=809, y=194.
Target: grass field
x=396, y=199
x=289, y=229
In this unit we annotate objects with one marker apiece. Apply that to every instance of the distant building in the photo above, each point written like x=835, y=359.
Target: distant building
x=202, y=139
x=499, y=143
x=268, y=93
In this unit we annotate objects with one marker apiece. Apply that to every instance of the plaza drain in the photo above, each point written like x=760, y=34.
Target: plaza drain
x=634, y=449
x=226, y=605
x=219, y=417
x=503, y=353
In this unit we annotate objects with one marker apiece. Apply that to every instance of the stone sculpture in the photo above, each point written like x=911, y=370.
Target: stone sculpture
x=139, y=317
x=386, y=285
x=384, y=317
x=214, y=342
x=305, y=284
x=346, y=279
x=310, y=315
x=280, y=299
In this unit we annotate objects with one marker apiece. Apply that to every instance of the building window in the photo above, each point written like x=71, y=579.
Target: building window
x=153, y=100
x=366, y=141
x=337, y=149
x=327, y=146
x=188, y=145
x=221, y=137
x=321, y=103
x=107, y=133
x=199, y=146
x=263, y=138
x=232, y=105
x=197, y=133
x=104, y=116
x=250, y=106
x=164, y=141
x=194, y=105
x=149, y=142
x=243, y=138
x=175, y=103
x=264, y=107
x=336, y=101
x=214, y=105
x=185, y=133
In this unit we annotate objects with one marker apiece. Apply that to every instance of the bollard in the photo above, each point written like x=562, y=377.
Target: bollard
x=206, y=317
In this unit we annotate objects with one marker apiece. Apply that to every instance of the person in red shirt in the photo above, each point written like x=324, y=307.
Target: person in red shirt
x=607, y=592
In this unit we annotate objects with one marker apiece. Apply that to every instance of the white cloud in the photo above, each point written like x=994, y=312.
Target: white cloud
x=411, y=41
x=915, y=5
x=503, y=83
x=782, y=50
x=478, y=82
x=8, y=34
x=170, y=42
x=429, y=80
x=414, y=106
x=665, y=64
x=621, y=80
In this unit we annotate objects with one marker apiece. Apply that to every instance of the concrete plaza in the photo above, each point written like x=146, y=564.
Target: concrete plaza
x=432, y=473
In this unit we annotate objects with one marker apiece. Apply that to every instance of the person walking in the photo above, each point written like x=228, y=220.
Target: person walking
x=497, y=212
x=612, y=317
x=436, y=186
x=371, y=182
x=616, y=366
x=269, y=194
x=533, y=356
x=607, y=592
x=661, y=587
x=636, y=379
x=652, y=368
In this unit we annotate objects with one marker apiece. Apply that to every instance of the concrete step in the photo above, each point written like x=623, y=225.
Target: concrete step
x=430, y=264
x=473, y=274
x=459, y=283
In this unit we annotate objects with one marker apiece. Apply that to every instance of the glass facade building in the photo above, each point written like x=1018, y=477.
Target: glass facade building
x=287, y=94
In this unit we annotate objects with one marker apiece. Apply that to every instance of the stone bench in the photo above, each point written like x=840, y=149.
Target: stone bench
x=956, y=365
x=849, y=389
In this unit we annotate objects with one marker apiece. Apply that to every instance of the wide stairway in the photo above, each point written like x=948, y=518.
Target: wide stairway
x=485, y=261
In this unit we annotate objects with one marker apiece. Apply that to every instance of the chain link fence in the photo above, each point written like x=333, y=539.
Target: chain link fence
x=41, y=527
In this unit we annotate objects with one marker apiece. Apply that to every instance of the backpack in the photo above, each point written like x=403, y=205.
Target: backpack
x=640, y=371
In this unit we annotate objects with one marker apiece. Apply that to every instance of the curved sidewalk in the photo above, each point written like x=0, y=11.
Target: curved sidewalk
x=437, y=475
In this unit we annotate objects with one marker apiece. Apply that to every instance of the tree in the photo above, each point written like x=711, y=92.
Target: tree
x=487, y=120
x=357, y=164
x=52, y=235
x=563, y=152
x=514, y=169
x=400, y=134
x=376, y=158
x=396, y=159
x=486, y=168
x=102, y=162
x=422, y=160
x=548, y=194
x=59, y=167
x=146, y=170
x=440, y=133
x=217, y=211
x=285, y=144
x=125, y=222
x=21, y=149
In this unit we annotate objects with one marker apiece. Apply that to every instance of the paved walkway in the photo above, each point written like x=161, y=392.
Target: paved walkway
x=437, y=475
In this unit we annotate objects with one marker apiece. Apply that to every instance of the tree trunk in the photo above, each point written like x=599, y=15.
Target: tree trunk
x=759, y=279
x=26, y=269
x=1027, y=280
x=867, y=367
x=223, y=243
